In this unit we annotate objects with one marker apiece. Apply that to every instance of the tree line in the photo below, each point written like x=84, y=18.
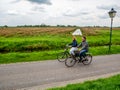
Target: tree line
x=44, y=25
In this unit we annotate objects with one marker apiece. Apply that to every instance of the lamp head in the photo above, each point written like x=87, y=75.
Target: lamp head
x=112, y=13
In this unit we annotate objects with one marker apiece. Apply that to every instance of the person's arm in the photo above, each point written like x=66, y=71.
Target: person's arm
x=70, y=44
x=79, y=45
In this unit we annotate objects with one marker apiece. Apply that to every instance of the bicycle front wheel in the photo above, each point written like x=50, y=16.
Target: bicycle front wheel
x=62, y=57
x=69, y=62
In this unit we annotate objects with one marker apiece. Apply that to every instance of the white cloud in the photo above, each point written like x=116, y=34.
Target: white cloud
x=12, y=12
x=53, y=12
x=75, y=13
x=107, y=7
x=41, y=2
x=39, y=9
x=47, y=2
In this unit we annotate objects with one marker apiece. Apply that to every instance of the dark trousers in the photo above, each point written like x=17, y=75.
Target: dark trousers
x=82, y=53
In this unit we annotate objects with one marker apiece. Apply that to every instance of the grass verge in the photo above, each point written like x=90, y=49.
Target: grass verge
x=14, y=57
x=111, y=83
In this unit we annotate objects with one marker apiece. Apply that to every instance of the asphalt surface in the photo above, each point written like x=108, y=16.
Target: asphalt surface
x=46, y=73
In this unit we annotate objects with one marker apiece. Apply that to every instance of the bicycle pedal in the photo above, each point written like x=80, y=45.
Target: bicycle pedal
x=79, y=61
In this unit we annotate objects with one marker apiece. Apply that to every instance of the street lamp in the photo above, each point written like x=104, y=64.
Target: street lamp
x=112, y=14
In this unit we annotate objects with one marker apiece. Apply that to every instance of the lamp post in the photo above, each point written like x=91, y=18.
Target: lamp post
x=112, y=14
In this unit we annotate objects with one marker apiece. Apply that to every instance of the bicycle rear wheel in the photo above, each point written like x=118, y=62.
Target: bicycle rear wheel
x=62, y=57
x=87, y=60
x=69, y=62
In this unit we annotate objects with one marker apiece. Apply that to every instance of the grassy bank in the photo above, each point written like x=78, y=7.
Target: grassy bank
x=33, y=44
x=111, y=83
x=14, y=57
x=48, y=41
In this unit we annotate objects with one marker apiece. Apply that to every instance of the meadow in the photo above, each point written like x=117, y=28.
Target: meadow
x=111, y=83
x=25, y=44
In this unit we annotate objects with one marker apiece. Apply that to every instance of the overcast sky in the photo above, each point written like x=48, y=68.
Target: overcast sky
x=54, y=12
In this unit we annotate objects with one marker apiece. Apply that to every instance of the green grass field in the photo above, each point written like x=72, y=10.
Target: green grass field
x=111, y=83
x=20, y=45
x=52, y=42
x=13, y=57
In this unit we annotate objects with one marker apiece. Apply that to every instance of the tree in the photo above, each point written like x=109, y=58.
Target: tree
x=5, y=26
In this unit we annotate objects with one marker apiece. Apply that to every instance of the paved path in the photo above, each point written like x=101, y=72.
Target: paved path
x=45, y=74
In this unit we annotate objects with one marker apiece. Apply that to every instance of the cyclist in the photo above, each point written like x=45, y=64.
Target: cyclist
x=74, y=46
x=85, y=47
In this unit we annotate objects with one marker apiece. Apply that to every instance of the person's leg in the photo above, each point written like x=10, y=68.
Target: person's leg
x=82, y=52
x=75, y=49
x=72, y=50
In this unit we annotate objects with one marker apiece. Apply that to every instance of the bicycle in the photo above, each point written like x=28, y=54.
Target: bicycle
x=86, y=59
x=61, y=57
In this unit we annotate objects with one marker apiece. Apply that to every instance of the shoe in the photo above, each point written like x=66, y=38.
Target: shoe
x=80, y=60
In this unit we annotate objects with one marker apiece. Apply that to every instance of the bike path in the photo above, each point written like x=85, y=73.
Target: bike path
x=45, y=74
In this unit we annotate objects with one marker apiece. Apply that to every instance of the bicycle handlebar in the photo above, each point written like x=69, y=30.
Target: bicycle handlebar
x=67, y=46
